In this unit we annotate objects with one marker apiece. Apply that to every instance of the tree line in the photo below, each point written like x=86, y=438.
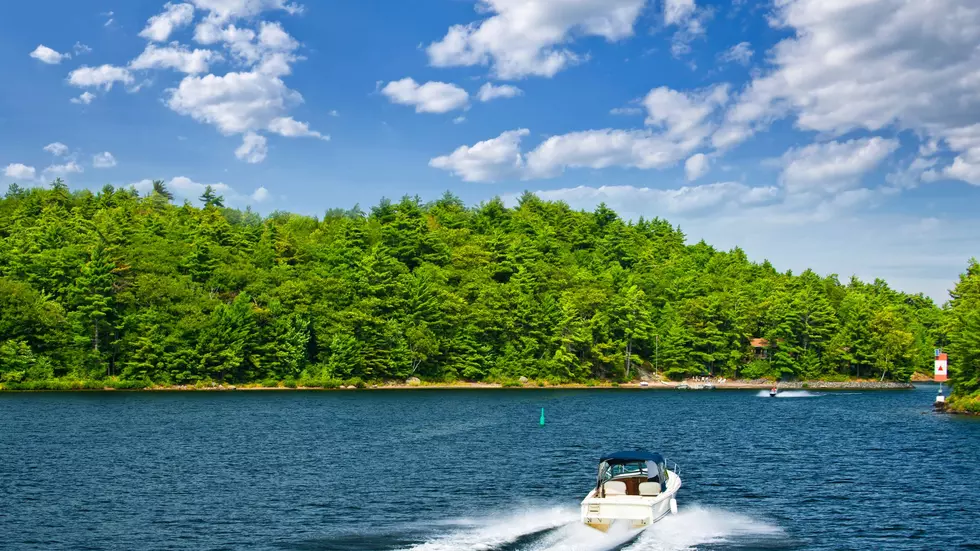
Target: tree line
x=115, y=286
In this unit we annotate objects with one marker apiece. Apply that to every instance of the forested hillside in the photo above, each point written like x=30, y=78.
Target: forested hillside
x=116, y=286
x=964, y=346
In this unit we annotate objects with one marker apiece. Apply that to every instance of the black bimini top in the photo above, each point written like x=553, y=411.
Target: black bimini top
x=631, y=456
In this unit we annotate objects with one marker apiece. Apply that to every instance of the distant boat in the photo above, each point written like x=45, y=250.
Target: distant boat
x=773, y=392
x=644, y=383
x=708, y=386
x=634, y=488
x=682, y=386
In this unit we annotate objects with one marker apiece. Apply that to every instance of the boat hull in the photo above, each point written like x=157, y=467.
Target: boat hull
x=633, y=512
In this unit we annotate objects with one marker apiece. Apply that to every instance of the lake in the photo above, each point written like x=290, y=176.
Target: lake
x=472, y=469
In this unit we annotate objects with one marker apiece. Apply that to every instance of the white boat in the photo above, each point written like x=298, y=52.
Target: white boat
x=634, y=488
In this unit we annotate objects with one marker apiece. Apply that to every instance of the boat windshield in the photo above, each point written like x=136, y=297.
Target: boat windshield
x=638, y=468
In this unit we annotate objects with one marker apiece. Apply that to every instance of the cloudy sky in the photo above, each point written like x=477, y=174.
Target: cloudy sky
x=842, y=135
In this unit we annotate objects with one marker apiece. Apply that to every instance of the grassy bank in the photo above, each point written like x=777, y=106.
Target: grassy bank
x=964, y=404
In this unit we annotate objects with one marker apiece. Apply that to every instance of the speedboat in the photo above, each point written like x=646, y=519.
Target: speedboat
x=773, y=392
x=634, y=488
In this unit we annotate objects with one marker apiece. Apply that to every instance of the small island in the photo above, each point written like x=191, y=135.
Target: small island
x=118, y=290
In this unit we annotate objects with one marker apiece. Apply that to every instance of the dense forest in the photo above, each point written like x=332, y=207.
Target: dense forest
x=131, y=290
x=964, y=347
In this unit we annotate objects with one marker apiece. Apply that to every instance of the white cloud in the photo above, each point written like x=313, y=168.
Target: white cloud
x=291, y=128
x=103, y=160
x=84, y=99
x=431, y=97
x=682, y=122
x=459, y=120
x=235, y=103
x=834, y=166
x=606, y=148
x=176, y=57
x=56, y=148
x=894, y=65
x=684, y=114
x=489, y=92
x=690, y=21
x=334, y=113
x=529, y=37
x=696, y=166
x=81, y=49
x=160, y=26
x=64, y=169
x=260, y=195
x=47, y=55
x=678, y=11
x=109, y=20
x=103, y=76
x=253, y=149
x=740, y=53
x=19, y=171
x=486, y=161
x=226, y=10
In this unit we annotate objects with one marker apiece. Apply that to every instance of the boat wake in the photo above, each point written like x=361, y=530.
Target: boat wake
x=790, y=394
x=560, y=530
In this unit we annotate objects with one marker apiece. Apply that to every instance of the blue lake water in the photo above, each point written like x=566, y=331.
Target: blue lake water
x=472, y=469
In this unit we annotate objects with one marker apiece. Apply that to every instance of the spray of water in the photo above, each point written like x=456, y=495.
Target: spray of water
x=790, y=394
x=560, y=530
x=494, y=532
x=696, y=525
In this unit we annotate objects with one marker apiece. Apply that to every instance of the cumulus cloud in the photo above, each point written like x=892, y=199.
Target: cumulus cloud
x=834, y=166
x=260, y=195
x=489, y=92
x=431, y=97
x=81, y=49
x=84, y=99
x=253, y=149
x=19, y=171
x=103, y=160
x=64, y=169
x=160, y=26
x=176, y=57
x=486, y=161
x=57, y=149
x=103, y=76
x=291, y=128
x=684, y=115
x=894, y=65
x=696, y=166
x=235, y=102
x=530, y=37
x=740, y=53
x=678, y=11
x=46, y=55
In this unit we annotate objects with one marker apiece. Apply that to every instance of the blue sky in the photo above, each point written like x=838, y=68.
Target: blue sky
x=842, y=136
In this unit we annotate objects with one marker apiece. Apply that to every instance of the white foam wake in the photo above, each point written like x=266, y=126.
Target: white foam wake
x=696, y=525
x=484, y=534
x=790, y=394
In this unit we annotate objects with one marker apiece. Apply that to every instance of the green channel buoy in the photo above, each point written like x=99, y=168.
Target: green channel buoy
x=542, y=417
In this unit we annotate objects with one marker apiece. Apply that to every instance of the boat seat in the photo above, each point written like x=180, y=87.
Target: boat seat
x=649, y=488
x=614, y=488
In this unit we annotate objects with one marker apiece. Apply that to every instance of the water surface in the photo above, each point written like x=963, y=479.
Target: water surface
x=472, y=469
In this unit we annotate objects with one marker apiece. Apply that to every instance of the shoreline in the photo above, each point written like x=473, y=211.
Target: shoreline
x=652, y=385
